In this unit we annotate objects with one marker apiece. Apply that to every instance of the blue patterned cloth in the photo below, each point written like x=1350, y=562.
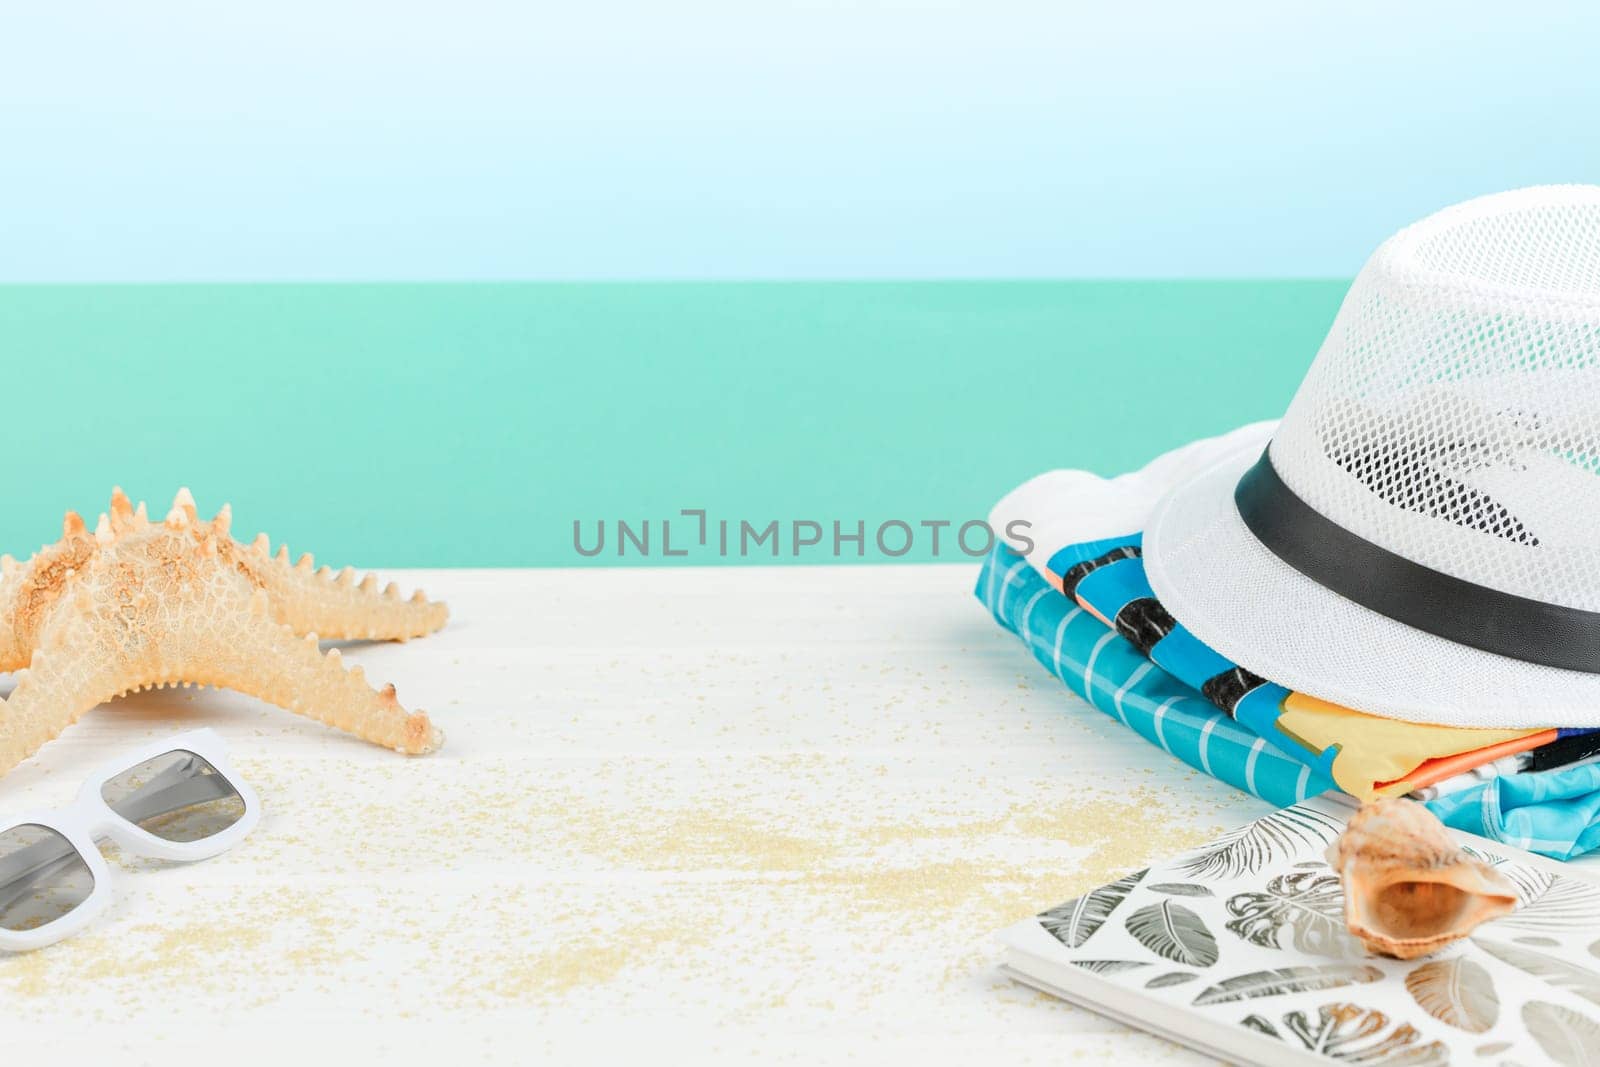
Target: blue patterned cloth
x=1116, y=678
x=1555, y=813
x=1109, y=576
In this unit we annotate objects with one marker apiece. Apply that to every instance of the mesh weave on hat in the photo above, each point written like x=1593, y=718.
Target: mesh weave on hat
x=1429, y=543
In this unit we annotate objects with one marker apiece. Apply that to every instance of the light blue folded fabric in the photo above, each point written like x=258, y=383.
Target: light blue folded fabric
x=1554, y=813
x=1103, y=668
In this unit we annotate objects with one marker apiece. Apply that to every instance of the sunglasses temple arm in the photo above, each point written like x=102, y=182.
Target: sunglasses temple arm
x=27, y=867
x=183, y=794
x=180, y=772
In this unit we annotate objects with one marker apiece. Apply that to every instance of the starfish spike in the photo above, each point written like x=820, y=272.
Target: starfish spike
x=136, y=605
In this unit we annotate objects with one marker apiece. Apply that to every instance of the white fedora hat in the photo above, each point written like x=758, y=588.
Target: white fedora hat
x=1421, y=538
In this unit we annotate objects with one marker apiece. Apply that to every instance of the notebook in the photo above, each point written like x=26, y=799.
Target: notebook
x=1239, y=949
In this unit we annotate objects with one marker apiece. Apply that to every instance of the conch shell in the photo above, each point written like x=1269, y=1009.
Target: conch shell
x=1409, y=889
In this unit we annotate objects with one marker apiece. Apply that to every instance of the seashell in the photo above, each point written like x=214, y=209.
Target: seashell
x=1409, y=889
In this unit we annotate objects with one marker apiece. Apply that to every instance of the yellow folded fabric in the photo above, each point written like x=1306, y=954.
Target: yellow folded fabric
x=1374, y=751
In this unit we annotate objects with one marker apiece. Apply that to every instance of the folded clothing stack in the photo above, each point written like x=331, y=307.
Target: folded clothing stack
x=1397, y=587
x=1073, y=587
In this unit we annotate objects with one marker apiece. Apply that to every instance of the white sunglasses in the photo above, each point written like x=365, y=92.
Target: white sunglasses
x=177, y=799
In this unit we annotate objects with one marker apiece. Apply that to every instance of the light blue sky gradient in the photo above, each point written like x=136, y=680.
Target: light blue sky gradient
x=476, y=139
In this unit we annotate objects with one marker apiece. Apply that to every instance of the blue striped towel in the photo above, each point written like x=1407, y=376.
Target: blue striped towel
x=1103, y=668
x=1555, y=813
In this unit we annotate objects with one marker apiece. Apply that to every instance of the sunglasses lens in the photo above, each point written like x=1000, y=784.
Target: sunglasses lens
x=176, y=796
x=42, y=877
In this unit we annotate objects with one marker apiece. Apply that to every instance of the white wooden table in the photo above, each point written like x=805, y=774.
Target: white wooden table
x=722, y=813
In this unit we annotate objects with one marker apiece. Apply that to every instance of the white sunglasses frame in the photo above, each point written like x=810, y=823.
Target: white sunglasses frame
x=89, y=819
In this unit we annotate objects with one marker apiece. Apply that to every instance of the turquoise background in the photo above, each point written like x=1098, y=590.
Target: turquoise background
x=418, y=283
x=402, y=425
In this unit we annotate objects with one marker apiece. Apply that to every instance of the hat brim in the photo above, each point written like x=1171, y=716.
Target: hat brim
x=1235, y=595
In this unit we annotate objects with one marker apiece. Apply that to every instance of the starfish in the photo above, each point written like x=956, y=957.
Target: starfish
x=138, y=605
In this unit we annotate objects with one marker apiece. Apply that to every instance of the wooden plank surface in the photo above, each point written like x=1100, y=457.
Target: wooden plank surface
x=713, y=812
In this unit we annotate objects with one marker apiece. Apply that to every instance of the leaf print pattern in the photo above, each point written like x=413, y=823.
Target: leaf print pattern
x=1357, y=1035
x=1110, y=966
x=1075, y=922
x=1531, y=882
x=1567, y=1037
x=1180, y=889
x=1250, y=847
x=1282, y=907
x=1174, y=933
x=1287, y=980
x=1166, y=981
x=1579, y=981
x=1309, y=904
x=1490, y=858
x=1457, y=992
x=1566, y=906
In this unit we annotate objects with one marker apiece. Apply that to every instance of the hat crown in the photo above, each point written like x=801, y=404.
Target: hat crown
x=1452, y=415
